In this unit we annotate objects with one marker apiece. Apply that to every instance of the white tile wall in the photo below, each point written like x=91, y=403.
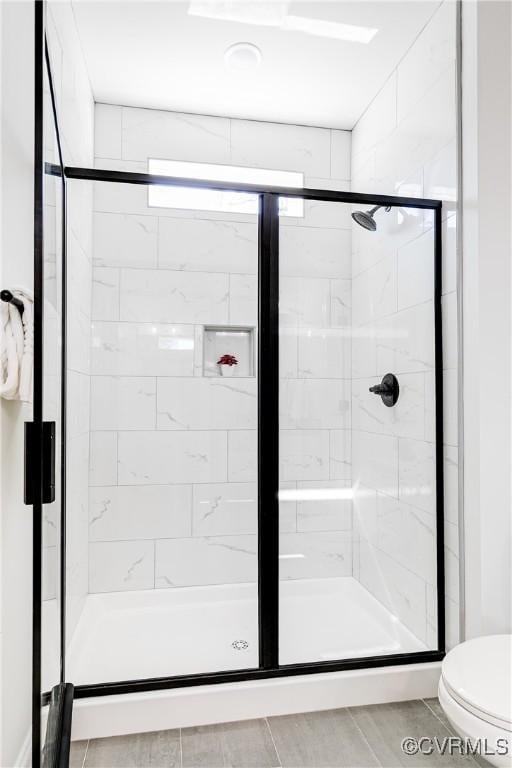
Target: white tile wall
x=174, y=453
x=405, y=143
x=161, y=458
x=75, y=108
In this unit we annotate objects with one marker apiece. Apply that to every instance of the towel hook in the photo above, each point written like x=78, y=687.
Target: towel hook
x=10, y=299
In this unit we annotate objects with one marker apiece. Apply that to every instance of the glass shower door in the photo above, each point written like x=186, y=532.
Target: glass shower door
x=358, y=494
x=172, y=526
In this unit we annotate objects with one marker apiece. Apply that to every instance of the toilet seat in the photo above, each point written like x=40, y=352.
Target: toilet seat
x=478, y=675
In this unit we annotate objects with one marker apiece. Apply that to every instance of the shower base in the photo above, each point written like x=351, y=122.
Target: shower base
x=160, y=633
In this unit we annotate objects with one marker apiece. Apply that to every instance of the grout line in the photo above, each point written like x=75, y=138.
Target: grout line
x=450, y=732
x=85, y=753
x=349, y=710
x=181, y=748
x=280, y=762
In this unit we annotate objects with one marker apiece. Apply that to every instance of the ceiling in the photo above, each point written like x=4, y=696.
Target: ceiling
x=159, y=55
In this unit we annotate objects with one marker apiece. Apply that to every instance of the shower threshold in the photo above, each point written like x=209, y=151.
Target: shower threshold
x=163, y=633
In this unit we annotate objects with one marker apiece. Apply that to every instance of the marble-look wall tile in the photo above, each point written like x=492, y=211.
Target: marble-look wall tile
x=149, y=308
x=304, y=454
x=405, y=419
x=405, y=340
x=155, y=133
x=377, y=122
x=107, y=130
x=417, y=474
x=174, y=297
x=441, y=178
x=314, y=404
x=242, y=456
x=206, y=560
x=322, y=511
x=405, y=144
x=416, y=271
x=225, y=509
x=340, y=454
x=243, y=300
x=195, y=245
x=103, y=458
x=315, y=555
x=79, y=340
x=323, y=213
x=341, y=146
x=79, y=276
x=374, y=292
x=207, y=403
x=400, y=590
x=142, y=349
x=314, y=252
x=117, y=566
x=427, y=59
x=77, y=401
x=304, y=303
x=324, y=353
x=407, y=535
x=341, y=304
x=125, y=240
x=375, y=461
x=163, y=458
x=130, y=512
x=279, y=146
x=364, y=350
x=105, y=294
x=429, y=127
x=123, y=402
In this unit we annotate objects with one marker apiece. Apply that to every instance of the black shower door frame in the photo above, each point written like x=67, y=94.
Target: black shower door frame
x=268, y=416
x=268, y=434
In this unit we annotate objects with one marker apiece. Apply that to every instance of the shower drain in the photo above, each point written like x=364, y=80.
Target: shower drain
x=240, y=645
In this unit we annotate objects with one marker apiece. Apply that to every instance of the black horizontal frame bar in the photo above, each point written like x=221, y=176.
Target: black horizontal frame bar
x=237, y=676
x=128, y=177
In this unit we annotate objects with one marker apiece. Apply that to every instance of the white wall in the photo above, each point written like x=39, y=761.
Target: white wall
x=16, y=231
x=405, y=144
x=487, y=201
x=156, y=523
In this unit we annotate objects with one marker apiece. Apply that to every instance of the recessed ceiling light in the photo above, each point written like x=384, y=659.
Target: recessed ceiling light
x=243, y=57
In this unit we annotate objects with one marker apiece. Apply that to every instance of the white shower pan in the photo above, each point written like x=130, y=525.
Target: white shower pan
x=136, y=635
x=163, y=633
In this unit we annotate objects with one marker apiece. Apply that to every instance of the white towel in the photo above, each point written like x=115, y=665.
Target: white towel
x=17, y=348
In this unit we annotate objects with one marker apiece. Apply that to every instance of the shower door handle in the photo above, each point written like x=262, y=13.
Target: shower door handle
x=40, y=448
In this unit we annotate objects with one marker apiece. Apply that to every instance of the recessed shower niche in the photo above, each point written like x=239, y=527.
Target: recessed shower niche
x=228, y=351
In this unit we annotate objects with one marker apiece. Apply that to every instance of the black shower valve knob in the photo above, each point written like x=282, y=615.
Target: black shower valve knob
x=388, y=389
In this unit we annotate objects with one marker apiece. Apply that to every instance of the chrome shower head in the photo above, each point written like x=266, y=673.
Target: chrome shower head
x=365, y=218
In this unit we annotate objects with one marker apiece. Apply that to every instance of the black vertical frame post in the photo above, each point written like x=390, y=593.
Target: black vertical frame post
x=37, y=464
x=438, y=387
x=268, y=431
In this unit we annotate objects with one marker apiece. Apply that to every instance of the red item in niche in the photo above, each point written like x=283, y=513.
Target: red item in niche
x=227, y=360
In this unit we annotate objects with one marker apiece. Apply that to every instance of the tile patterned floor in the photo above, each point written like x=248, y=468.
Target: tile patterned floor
x=355, y=737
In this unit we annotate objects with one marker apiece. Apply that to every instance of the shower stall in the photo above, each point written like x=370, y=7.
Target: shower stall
x=282, y=515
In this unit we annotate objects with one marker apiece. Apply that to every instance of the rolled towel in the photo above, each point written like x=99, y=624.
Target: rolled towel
x=17, y=348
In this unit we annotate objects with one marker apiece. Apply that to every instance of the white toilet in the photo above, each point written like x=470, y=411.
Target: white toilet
x=475, y=691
